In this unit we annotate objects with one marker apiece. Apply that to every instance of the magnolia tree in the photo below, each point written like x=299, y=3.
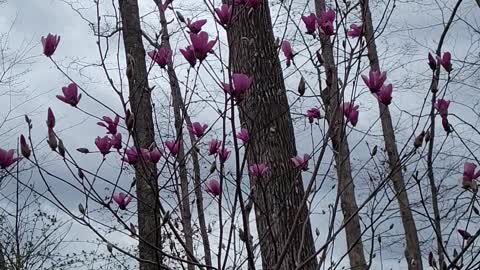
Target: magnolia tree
x=202, y=132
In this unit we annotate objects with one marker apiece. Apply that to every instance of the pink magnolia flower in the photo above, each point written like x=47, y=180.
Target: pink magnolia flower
x=196, y=26
x=224, y=154
x=131, y=155
x=70, y=95
x=50, y=44
x=431, y=62
x=214, y=146
x=310, y=23
x=355, y=31
x=446, y=61
x=153, y=155
x=116, y=141
x=6, y=158
x=350, y=111
x=326, y=22
x=446, y=125
x=122, y=200
x=301, y=162
x=52, y=139
x=259, y=170
x=241, y=84
x=375, y=80
x=162, y=56
x=111, y=125
x=173, y=146
x=50, y=118
x=213, y=187
x=201, y=45
x=312, y=114
x=189, y=54
x=469, y=171
x=385, y=94
x=24, y=148
x=103, y=144
x=224, y=14
x=243, y=135
x=287, y=51
x=442, y=107
x=198, y=129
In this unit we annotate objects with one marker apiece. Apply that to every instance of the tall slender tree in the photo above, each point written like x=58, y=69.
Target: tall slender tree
x=143, y=135
x=332, y=99
x=265, y=113
x=412, y=252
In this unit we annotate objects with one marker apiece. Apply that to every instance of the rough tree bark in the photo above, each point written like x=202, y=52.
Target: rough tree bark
x=143, y=135
x=346, y=189
x=412, y=252
x=179, y=108
x=265, y=112
x=3, y=265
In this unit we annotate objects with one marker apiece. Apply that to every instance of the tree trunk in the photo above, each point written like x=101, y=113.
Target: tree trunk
x=332, y=99
x=413, y=253
x=265, y=112
x=143, y=135
x=3, y=264
x=178, y=106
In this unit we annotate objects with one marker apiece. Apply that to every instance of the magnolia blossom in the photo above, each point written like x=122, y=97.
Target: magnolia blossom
x=103, y=144
x=70, y=95
x=7, y=158
x=301, y=162
x=224, y=154
x=131, y=155
x=442, y=107
x=355, y=31
x=385, y=94
x=288, y=52
x=326, y=22
x=122, y=200
x=446, y=61
x=224, y=14
x=195, y=26
x=50, y=118
x=162, y=56
x=201, y=45
x=312, y=114
x=350, y=111
x=213, y=187
x=310, y=23
x=213, y=146
x=173, y=146
x=446, y=125
x=153, y=154
x=241, y=84
x=259, y=170
x=198, y=129
x=243, y=135
x=50, y=44
x=110, y=125
x=375, y=80
x=24, y=147
x=469, y=173
x=116, y=141
x=189, y=54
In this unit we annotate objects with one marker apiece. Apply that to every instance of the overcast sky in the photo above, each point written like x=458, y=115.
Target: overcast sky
x=413, y=31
